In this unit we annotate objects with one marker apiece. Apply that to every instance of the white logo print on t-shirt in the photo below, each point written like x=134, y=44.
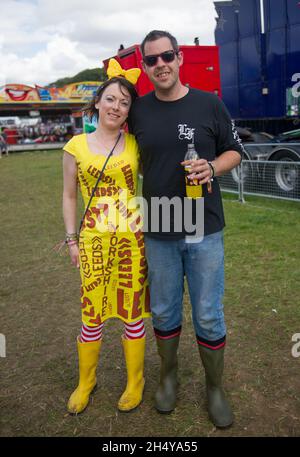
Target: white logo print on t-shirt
x=185, y=132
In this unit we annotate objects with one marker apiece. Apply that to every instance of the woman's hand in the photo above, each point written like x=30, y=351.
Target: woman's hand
x=74, y=254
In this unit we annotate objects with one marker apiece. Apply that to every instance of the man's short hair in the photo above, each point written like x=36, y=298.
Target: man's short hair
x=155, y=35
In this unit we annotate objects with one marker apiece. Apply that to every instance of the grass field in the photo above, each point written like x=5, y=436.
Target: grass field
x=40, y=319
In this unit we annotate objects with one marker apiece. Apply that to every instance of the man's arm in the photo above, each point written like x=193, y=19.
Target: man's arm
x=226, y=162
x=229, y=149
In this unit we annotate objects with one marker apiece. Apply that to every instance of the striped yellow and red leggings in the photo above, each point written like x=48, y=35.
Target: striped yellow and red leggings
x=132, y=331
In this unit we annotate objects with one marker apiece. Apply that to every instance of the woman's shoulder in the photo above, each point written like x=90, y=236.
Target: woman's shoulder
x=130, y=138
x=131, y=143
x=77, y=138
x=75, y=142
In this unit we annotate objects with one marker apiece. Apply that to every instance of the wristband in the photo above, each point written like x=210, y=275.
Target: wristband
x=212, y=170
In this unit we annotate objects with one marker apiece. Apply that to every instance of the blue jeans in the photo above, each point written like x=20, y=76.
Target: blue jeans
x=203, y=265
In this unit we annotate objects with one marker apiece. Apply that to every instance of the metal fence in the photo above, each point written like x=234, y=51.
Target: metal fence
x=268, y=178
x=255, y=176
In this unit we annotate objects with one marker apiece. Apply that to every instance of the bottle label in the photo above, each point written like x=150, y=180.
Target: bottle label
x=192, y=187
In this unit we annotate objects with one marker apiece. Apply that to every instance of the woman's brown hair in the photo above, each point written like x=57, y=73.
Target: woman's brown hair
x=90, y=110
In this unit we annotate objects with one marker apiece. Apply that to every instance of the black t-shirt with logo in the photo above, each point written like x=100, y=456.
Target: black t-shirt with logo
x=163, y=130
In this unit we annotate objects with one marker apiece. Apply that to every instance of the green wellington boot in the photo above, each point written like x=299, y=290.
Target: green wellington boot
x=219, y=410
x=165, y=397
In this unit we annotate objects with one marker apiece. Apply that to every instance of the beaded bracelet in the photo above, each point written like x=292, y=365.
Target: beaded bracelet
x=71, y=243
x=71, y=237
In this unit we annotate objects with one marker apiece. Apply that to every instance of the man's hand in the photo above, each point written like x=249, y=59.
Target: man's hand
x=199, y=169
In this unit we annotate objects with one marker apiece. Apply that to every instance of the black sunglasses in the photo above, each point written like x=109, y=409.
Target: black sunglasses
x=167, y=57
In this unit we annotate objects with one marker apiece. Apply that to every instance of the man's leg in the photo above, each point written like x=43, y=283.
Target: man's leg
x=165, y=272
x=204, y=266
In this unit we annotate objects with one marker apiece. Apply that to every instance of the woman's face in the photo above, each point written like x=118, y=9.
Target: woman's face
x=114, y=105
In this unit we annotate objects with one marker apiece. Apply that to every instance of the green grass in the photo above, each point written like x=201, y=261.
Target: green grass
x=40, y=317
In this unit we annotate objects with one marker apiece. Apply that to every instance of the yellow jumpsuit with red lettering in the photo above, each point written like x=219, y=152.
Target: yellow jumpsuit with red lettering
x=113, y=267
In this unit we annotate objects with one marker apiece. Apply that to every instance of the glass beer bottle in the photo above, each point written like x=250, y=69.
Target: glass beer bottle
x=192, y=186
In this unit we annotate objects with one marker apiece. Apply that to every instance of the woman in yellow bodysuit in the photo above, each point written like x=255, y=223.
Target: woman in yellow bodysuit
x=110, y=247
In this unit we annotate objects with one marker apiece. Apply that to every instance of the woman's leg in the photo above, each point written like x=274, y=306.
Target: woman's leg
x=88, y=345
x=134, y=350
x=134, y=330
x=89, y=334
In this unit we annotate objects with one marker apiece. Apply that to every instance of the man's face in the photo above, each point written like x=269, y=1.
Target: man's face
x=164, y=75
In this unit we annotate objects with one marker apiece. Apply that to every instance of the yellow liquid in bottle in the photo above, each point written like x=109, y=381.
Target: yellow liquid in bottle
x=192, y=186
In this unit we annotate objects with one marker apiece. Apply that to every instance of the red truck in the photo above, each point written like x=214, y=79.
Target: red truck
x=200, y=68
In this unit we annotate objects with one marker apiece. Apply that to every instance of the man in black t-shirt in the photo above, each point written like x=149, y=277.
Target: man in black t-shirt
x=165, y=122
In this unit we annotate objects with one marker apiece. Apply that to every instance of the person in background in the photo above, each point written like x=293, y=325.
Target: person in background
x=164, y=122
x=3, y=144
x=111, y=259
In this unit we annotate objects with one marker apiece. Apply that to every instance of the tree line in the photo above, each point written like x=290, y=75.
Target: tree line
x=93, y=74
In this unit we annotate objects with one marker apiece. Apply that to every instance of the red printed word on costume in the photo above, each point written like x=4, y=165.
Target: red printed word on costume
x=125, y=263
x=124, y=274
x=97, y=266
x=84, y=260
x=95, y=172
x=94, y=213
x=143, y=270
x=106, y=306
x=143, y=263
x=81, y=178
x=116, y=164
x=108, y=191
x=123, y=210
x=90, y=313
x=127, y=171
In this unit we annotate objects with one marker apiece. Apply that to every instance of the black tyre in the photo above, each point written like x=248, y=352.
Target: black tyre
x=286, y=176
x=246, y=171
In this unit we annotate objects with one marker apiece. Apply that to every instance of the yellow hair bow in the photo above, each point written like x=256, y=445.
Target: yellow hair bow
x=114, y=69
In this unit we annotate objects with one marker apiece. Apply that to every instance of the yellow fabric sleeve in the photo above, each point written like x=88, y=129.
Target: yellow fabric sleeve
x=71, y=146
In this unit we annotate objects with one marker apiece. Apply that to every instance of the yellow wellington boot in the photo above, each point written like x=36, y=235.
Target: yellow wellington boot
x=88, y=356
x=134, y=351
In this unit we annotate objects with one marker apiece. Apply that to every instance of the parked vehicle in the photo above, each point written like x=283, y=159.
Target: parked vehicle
x=261, y=147
x=200, y=69
x=259, y=47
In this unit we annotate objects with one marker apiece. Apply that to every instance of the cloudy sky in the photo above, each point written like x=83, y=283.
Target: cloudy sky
x=43, y=40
